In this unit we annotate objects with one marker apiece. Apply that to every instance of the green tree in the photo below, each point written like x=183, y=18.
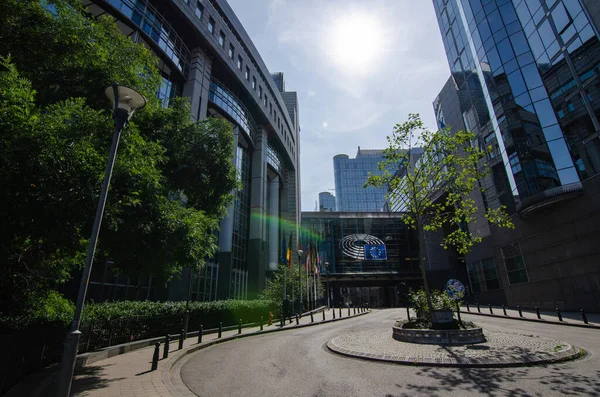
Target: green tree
x=274, y=289
x=172, y=178
x=451, y=164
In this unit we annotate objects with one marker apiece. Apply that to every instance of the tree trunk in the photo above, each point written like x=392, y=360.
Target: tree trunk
x=421, y=236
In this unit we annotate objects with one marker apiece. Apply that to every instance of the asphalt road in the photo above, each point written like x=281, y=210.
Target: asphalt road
x=297, y=363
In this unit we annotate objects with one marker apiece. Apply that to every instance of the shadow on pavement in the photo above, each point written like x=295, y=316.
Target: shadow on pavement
x=91, y=378
x=504, y=382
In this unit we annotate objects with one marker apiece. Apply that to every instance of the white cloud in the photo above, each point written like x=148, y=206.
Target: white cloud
x=310, y=93
x=324, y=124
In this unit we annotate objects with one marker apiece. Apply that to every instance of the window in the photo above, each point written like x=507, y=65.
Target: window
x=199, y=9
x=254, y=83
x=490, y=275
x=221, y=39
x=515, y=266
x=239, y=62
x=472, y=270
x=247, y=73
x=231, y=50
x=211, y=25
x=260, y=91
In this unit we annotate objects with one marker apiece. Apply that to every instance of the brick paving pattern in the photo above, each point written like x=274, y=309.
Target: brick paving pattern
x=500, y=349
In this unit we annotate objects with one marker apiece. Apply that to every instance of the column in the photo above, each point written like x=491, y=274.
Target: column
x=224, y=255
x=197, y=83
x=274, y=223
x=257, y=241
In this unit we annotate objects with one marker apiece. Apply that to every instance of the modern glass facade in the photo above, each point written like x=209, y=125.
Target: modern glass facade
x=351, y=270
x=350, y=175
x=527, y=71
x=326, y=202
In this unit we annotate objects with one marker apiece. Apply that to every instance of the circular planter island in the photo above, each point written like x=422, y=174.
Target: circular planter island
x=405, y=332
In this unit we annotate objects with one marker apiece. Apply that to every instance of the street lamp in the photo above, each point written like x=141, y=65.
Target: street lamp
x=125, y=101
x=327, y=267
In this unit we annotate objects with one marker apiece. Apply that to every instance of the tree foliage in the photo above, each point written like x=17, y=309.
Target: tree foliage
x=274, y=290
x=451, y=165
x=172, y=179
x=436, y=190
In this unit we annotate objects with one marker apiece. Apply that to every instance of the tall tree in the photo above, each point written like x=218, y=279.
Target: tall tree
x=172, y=178
x=450, y=163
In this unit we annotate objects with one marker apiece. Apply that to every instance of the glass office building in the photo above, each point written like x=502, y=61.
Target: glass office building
x=350, y=175
x=326, y=202
x=529, y=67
x=527, y=77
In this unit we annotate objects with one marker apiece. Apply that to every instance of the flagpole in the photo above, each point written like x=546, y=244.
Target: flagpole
x=300, y=281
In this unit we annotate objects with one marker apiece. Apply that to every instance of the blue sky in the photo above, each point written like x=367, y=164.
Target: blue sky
x=359, y=67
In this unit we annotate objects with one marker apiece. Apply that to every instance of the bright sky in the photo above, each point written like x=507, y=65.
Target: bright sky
x=359, y=67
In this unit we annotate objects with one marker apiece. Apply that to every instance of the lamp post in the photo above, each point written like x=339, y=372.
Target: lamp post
x=327, y=267
x=300, y=252
x=125, y=101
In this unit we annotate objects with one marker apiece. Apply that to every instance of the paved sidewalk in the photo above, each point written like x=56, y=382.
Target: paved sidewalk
x=568, y=317
x=129, y=375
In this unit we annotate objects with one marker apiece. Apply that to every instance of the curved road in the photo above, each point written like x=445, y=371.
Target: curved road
x=297, y=363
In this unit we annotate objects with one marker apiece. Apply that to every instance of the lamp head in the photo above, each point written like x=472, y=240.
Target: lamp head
x=300, y=252
x=124, y=100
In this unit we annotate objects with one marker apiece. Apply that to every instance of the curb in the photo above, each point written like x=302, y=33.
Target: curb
x=166, y=369
x=570, y=354
x=534, y=320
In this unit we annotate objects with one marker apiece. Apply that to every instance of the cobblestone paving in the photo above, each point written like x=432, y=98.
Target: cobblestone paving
x=500, y=349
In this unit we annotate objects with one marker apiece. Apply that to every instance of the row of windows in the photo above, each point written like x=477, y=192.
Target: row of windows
x=483, y=275
x=245, y=69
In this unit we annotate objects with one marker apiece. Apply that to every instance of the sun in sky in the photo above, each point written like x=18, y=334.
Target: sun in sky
x=355, y=41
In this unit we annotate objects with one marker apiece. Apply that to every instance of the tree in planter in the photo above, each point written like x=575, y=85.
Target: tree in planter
x=449, y=163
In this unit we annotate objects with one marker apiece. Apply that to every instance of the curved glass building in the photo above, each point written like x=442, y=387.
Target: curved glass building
x=206, y=55
x=527, y=74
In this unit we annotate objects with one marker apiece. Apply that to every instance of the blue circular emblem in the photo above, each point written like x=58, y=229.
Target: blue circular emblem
x=455, y=289
x=375, y=252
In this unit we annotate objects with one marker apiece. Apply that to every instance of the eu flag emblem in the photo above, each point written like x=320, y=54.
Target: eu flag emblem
x=375, y=252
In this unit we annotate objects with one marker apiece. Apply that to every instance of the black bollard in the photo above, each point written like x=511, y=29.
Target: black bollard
x=348, y=310
x=491, y=311
x=478, y=309
x=468, y=308
x=166, y=348
x=220, y=329
x=354, y=307
x=333, y=311
x=408, y=313
x=504, y=310
x=297, y=320
x=155, y=356
x=537, y=311
x=181, y=335
x=312, y=320
x=323, y=315
x=200, y=332
x=282, y=321
x=240, y=327
x=458, y=312
x=520, y=312
x=340, y=312
x=261, y=323
x=584, y=317
x=558, y=314
x=291, y=318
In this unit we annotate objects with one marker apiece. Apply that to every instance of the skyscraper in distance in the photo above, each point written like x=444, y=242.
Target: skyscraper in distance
x=351, y=174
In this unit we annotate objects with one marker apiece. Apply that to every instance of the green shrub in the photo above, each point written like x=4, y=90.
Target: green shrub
x=439, y=301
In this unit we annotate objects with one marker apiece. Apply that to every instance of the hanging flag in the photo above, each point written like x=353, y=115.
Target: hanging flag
x=283, y=251
x=289, y=252
x=318, y=266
